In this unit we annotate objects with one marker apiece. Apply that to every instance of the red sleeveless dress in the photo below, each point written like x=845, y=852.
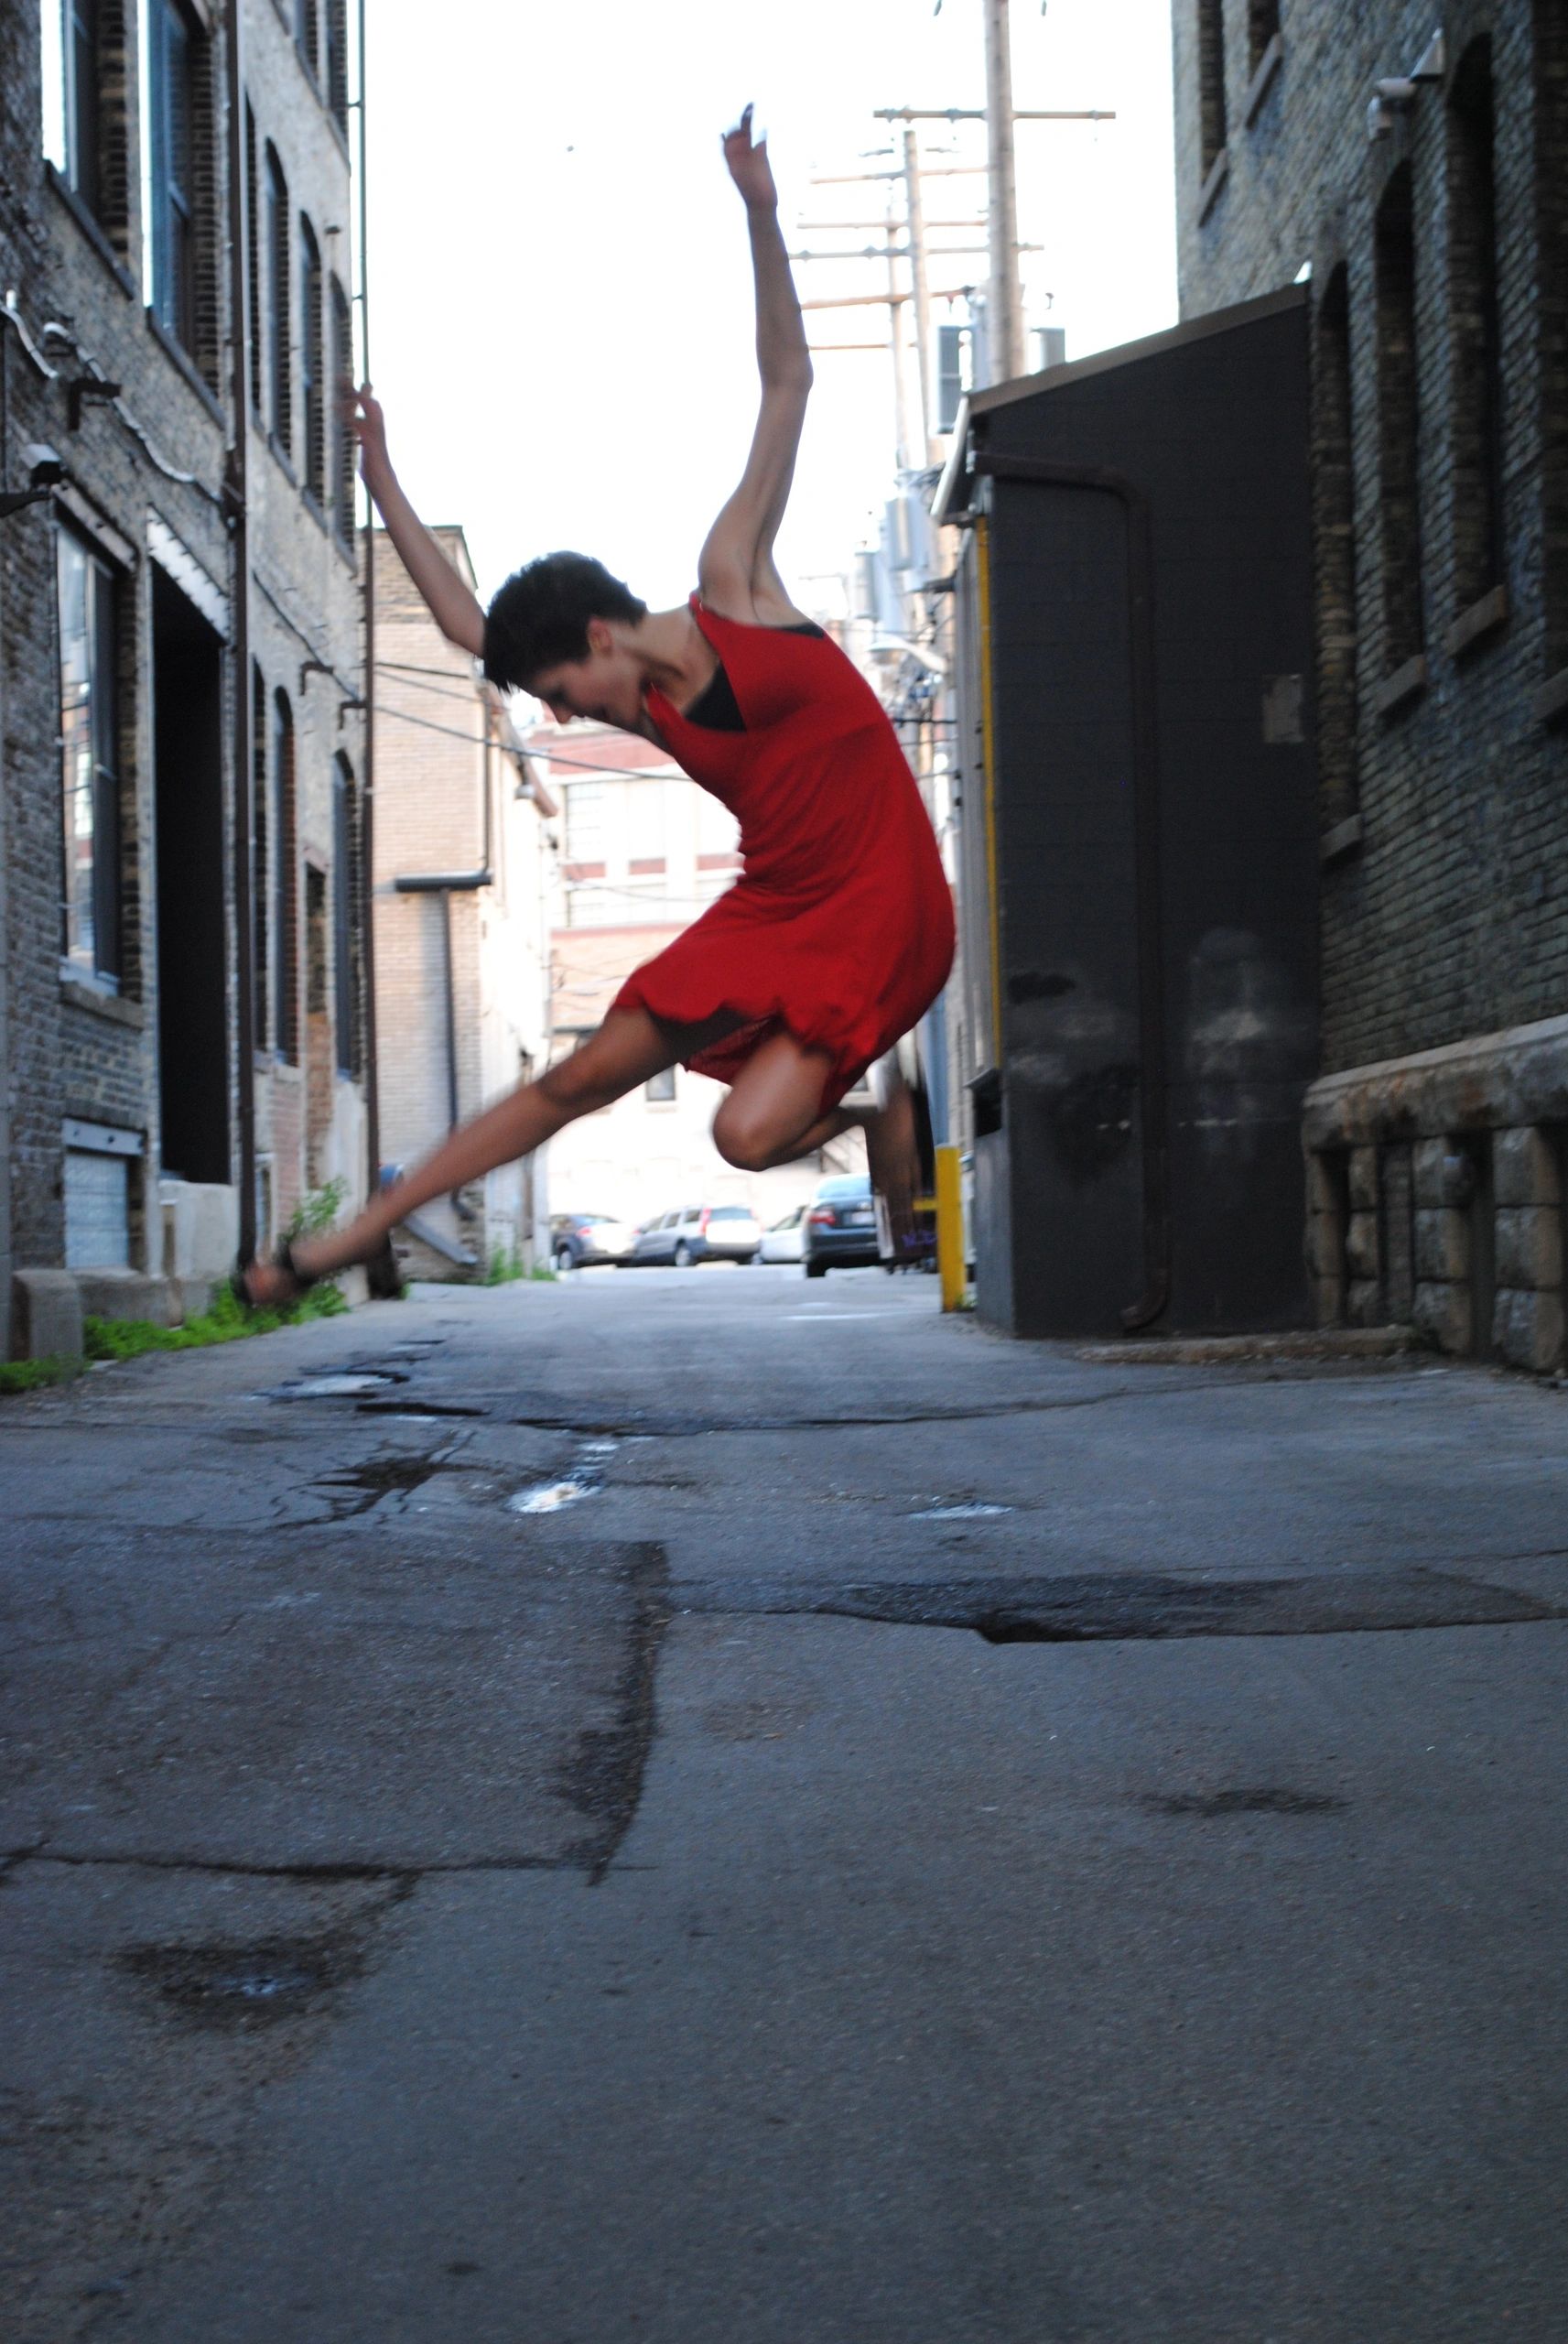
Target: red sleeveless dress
x=840, y=929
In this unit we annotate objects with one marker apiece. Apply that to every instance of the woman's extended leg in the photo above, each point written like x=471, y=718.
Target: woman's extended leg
x=773, y=1116
x=628, y=1048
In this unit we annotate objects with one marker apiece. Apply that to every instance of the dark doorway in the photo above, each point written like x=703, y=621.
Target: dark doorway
x=192, y=960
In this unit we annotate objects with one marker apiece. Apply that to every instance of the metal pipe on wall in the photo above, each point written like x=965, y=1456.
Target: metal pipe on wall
x=384, y=1279
x=235, y=496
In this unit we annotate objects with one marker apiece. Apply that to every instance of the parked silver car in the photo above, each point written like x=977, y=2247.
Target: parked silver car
x=781, y=1242
x=699, y=1234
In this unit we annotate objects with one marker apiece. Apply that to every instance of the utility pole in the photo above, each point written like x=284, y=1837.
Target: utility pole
x=914, y=215
x=1004, y=308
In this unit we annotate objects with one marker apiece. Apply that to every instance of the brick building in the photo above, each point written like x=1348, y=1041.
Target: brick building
x=1421, y=179
x=178, y=647
x=464, y=894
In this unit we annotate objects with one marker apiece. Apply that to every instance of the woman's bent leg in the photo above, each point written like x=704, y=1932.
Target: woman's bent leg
x=773, y=1116
x=628, y=1048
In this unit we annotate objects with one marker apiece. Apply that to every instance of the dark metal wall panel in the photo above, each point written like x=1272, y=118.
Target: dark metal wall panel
x=1062, y=701
x=1213, y=435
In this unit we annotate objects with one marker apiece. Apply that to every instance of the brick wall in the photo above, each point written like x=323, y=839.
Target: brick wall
x=145, y=486
x=1440, y=285
x=1449, y=916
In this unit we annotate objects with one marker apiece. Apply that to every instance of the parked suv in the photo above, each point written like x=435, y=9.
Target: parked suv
x=700, y=1233
x=841, y=1225
x=578, y=1240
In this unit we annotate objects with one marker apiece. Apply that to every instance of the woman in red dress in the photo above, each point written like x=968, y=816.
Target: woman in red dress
x=838, y=937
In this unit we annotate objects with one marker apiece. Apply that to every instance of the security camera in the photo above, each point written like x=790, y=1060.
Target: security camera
x=45, y=468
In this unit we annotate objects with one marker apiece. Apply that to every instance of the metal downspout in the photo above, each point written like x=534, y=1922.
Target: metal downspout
x=383, y=1280
x=1039, y=472
x=235, y=496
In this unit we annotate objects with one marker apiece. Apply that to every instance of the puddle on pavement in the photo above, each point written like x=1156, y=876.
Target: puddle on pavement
x=581, y=1482
x=348, y=1383
x=972, y=1511
x=549, y=1497
x=244, y=1986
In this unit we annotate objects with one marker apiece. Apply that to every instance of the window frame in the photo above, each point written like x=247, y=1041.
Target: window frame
x=283, y=752
x=103, y=957
x=279, y=252
x=312, y=339
x=173, y=293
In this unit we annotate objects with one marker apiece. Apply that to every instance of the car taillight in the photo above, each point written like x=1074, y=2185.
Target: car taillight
x=702, y=1224
x=822, y=1217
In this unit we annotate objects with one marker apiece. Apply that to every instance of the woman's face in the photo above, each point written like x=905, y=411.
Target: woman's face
x=606, y=686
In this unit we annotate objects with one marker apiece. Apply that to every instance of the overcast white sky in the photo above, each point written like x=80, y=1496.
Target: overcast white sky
x=561, y=293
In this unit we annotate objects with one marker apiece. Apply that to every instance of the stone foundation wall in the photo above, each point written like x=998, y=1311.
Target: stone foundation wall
x=1438, y=1195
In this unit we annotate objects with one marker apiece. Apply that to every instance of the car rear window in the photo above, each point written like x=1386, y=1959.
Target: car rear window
x=730, y=1212
x=830, y=1192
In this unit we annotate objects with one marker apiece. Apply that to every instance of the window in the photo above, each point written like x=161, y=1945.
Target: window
x=952, y=373
x=280, y=403
x=1551, y=129
x=252, y=238
x=342, y=458
x=335, y=19
x=1474, y=378
x=585, y=821
x=70, y=65
x=1333, y=547
x=1399, y=421
x=660, y=1088
x=312, y=327
x=1211, y=83
x=306, y=29
x=1262, y=27
x=171, y=51
x=261, y=890
x=285, y=884
x=346, y=949
x=88, y=764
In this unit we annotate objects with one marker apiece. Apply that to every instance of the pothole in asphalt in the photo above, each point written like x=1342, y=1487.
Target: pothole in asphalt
x=1109, y=1606
x=1269, y=1799
x=244, y=1986
x=420, y=1412
x=361, y=1487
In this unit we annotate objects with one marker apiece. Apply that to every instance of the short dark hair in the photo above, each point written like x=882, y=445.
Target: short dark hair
x=540, y=616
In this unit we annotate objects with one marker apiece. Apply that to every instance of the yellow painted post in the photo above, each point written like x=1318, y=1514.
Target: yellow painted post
x=951, y=1265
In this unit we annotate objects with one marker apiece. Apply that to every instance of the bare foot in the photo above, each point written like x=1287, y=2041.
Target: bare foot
x=892, y=1155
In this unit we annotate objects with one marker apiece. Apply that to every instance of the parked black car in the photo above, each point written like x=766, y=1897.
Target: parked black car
x=840, y=1226
x=578, y=1239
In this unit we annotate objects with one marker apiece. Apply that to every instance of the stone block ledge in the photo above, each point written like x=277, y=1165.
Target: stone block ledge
x=1518, y=1076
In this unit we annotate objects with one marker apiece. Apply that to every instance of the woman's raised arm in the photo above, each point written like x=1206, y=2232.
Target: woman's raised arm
x=452, y=607
x=736, y=569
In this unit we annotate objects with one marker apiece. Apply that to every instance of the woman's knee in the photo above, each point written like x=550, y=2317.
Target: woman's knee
x=741, y=1140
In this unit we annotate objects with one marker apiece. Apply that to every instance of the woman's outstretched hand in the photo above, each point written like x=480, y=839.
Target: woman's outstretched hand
x=361, y=410
x=749, y=166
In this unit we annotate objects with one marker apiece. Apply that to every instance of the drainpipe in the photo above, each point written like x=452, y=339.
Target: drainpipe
x=382, y=1286
x=235, y=495
x=448, y=884
x=1041, y=473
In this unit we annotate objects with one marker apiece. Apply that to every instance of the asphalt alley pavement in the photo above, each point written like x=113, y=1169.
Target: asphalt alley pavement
x=698, y=1807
